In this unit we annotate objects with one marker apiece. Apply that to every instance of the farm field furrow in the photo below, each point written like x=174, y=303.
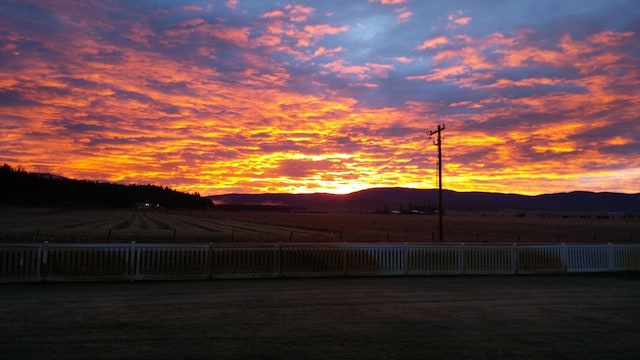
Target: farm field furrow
x=95, y=219
x=158, y=222
x=96, y=225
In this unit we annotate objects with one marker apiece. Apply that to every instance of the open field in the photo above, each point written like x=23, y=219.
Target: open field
x=535, y=317
x=99, y=225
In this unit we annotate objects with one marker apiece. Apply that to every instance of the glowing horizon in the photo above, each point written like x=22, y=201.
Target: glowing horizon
x=240, y=96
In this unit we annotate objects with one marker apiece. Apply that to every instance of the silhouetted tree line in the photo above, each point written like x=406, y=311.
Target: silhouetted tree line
x=19, y=187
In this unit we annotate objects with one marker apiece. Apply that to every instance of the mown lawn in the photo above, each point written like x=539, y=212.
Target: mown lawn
x=539, y=317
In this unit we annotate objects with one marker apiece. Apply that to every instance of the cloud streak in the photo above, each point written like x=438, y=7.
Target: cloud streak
x=234, y=96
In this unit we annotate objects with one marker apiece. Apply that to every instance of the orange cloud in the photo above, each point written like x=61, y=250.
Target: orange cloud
x=611, y=38
x=527, y=82
x=462, y=21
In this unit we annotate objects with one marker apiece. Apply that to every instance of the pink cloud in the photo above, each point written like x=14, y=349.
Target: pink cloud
x=325, y=29
x=500, y=83
x=232, y=34
x=193, y=8
x=232, y=4
x=293, y=13
x=273, y=14
x=403, y=59
x=403, y=14
x=462, y=21
x=456, y=19
x=268, y=40
x=317, y=31
x=432, y=43
x=611, y=38
x=299, y=13
x=286, y=23
x=322, y=51
x=367, y=71
x=389, y=2
x=472, y=61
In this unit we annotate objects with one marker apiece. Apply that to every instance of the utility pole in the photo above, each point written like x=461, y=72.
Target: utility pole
x=440, y=207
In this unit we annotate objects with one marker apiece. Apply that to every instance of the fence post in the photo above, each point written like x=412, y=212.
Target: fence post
x=461, y=258
x=210, y=258
x=565, y=258
x=44, y=269
x=406, y=258
x=610, y=259
x=514, y=259
x=133, y=262
x=279, y=259
x=345, y=257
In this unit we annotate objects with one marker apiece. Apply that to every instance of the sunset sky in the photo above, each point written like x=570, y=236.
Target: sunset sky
x=331, y=96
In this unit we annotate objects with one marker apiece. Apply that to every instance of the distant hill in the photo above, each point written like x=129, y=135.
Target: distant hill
x=21, y=188
x=425, y=200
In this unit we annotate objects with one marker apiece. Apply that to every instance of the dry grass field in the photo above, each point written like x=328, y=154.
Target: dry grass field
x=100, y=225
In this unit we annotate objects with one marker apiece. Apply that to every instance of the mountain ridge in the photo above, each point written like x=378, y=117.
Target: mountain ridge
x=408, y=199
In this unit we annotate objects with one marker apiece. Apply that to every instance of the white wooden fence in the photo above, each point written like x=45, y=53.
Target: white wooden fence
x=104, y=262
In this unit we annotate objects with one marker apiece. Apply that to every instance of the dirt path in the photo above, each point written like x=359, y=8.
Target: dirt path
x=570, y=317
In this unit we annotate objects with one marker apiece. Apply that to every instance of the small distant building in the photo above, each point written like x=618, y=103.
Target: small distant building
x=141, y=205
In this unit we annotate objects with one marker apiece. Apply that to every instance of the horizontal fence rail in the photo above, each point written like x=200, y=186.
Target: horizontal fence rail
x=132, y=261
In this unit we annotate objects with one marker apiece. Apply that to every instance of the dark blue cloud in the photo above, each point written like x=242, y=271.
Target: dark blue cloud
x=112, y=57
x=30, y=18
x=14, y=98
x=398, y=130
x=80, y=128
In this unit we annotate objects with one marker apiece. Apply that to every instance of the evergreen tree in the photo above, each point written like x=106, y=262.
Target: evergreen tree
x=18, y=187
